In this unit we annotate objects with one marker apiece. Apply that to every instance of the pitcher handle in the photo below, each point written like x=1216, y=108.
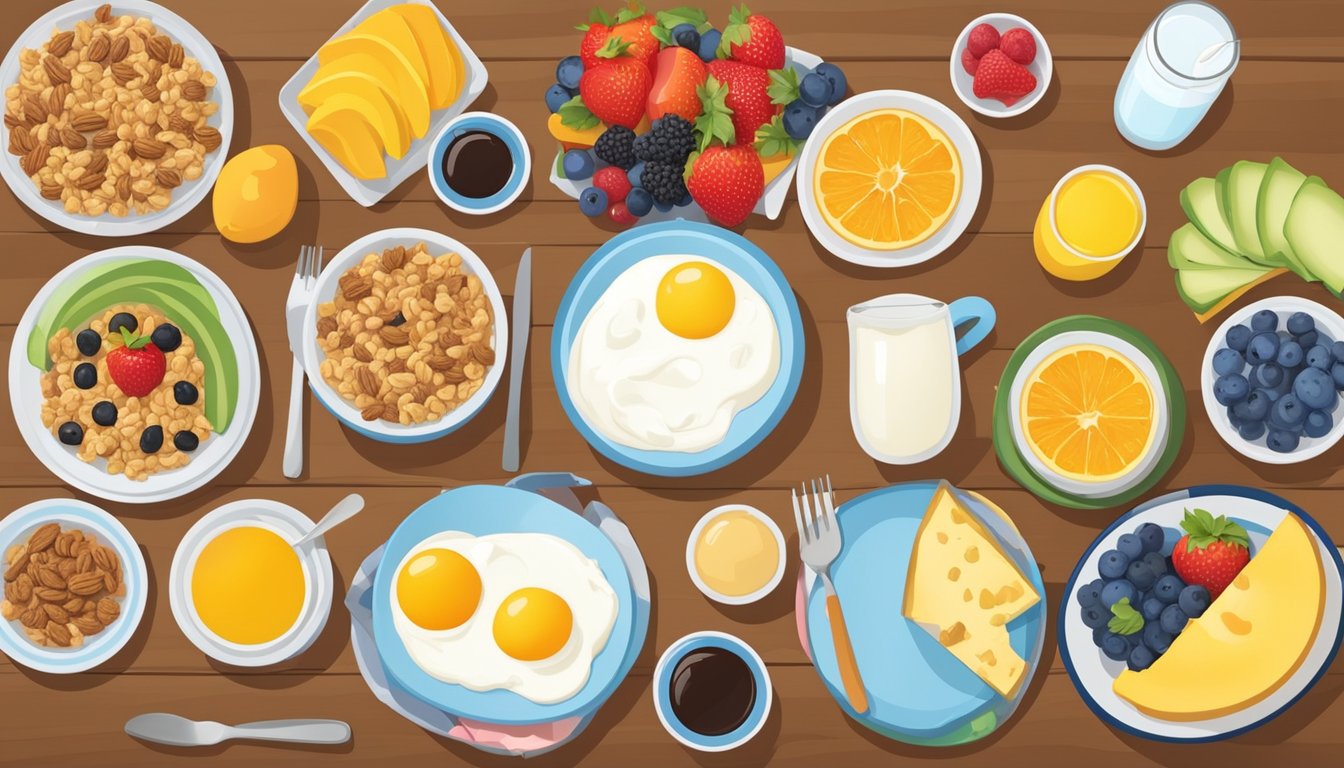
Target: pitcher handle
x=981, y=316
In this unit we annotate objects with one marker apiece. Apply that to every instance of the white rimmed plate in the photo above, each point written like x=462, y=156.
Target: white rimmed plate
x=1042, y=68
x=213, y=455
x=18, y=526
x=291, y=525
x=185, y=197
x=932, y=110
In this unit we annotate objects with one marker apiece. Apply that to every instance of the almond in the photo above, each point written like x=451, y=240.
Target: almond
x=366, y=381
x=56, y=613
x=43, y=537
x=51, y=595
x=149, y=149
x=123, y=72
x=176, y=56
x=56, y=101
x=73, y=606
x=12, y=122
x=394, y=335
x=110, y=582
x=373, y=412
x=49, y=577
x=58, y=634
x=440, y=362
x=390, y=412
x=209, y=138
x=84, y=122
x=35, y=160
x=149, y=92
x=33, y=618
x=158, y=48
x=353, y=287
x=84, y=563
x=73, y=139
x=20, y=141
x=12, y=589
x=362, y=353
x=104, y=13
x=482, y=353
x=24, y=587
x=454, y=375
x=86, y=583
x=90, y=181
x=396, y=365
x=121, y=48
x=325, y=326
x=123, y=187
x=168, y=178
x=108, y=610
x=99, y=48
x=66, y=567
x=105, y=558
x=96, y=165
x=193, y=90
x=56, y=71
x=60, y=43
x=35, y=109
x=393, y=258
x=88, y=625
x=181, y=125
x=51, y=190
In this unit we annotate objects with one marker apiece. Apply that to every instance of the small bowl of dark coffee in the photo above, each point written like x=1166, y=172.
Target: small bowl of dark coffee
x=479, y=163
x=711, y=691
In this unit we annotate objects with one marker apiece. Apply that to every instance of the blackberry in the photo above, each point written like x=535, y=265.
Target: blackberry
x=616, y=146
x=663, y=181
x=669, y=140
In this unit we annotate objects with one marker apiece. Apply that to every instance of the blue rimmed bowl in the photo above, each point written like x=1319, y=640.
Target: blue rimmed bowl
x=496, y=126
x=662, y=692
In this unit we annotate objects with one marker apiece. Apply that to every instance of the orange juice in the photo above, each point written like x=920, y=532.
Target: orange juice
x=1094, y=216
x=248, y=586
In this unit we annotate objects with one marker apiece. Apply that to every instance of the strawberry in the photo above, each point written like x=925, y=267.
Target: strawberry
x=680, y=73
x=752, y=39
x=999, y=77
x=1019, y=45
x=631, y=26
x=615, y=90
x=983, y=39
x=638, y=32
x=969, y=62
x=1212, y=552
x=136, y=367
x=747, y=96
x=727, y=182
x=594, y=38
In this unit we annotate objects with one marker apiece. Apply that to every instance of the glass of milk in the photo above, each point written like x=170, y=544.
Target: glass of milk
x=1177, y=71
x=904, y=378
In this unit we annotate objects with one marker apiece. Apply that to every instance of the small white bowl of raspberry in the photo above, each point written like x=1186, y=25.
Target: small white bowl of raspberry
x=1001, y=65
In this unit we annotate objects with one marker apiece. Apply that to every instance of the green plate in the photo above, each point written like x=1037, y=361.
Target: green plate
x=1006, y=449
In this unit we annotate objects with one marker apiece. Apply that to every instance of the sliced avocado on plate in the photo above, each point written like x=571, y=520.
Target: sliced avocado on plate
x=1199, y=199
x=1241, y=198
x=1201, y=289
x=1315, y=231
x=1190, y=249
x=1281, y=184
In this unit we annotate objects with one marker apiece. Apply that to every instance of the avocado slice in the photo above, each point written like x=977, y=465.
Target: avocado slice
x=1242, y=199
x=1199, y=199
x=1280, y=186
x=1190, y=249
x=1201, y=289
x=1315, y=229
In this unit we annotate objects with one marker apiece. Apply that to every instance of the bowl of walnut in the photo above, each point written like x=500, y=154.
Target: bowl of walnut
x=75, y=586
x=408, y=335
x=117, y=117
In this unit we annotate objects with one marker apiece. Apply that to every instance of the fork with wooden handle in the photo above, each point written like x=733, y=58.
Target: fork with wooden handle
x=819, y=544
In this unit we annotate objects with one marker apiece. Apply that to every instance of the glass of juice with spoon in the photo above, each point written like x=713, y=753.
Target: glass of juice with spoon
x=1093, y=217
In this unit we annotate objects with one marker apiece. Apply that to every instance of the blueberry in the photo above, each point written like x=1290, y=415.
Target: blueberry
x=122, y=320
x=1151, y=609
x=1099, y=634
x=814, y=90
x=1288, y=413
x=1299, y=323
x=1251, y=431
x=661, y=207
x=1254, y=408
x=568, y=71
x=1263, y=348
x=1282, y=441
x=151, y=440
x=1168, y=588
x=687, y=36
x=685, y=200
x=1238, y=336
x=70, y=433
x=639, y=202
x=1272, y=395
x=1337, y=349
x=1113, y=564
x=1090, y=593
x=1194, y=600
x=1267, y=375
x=709, y=44
x=799, y=119
x=1130, y=546
x=593, y=202
x=1319, y=356
x=88, y=342
x=1265, y=320
x=577, y=164
x=104, y=414
x=186, y=441
x=635, y=174
x=1308, y=340
x=1227, y=361
x=1231, y=389
x=185, y=393
x=1234, y=418
x=1337, y=374
x=166, y=337
x=1173, y=619
x=836, y=77
x=1117, y=590
x=1141, y=658
x=1096, y=616
x=1140, y=575
x=556, y=96
x=1156, y=639
x=1115, y=646
x=1156, y=562
x=85, y=376
x=1290, y=354
x=1318, y=424
x=397, y=320
x=1151, y=536
x=1313, y=386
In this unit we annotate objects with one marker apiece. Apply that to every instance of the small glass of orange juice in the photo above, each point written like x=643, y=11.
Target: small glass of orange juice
x=1092, y=218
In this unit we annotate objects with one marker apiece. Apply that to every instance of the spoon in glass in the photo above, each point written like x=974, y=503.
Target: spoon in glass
x=1214, y=50
x=344, y=510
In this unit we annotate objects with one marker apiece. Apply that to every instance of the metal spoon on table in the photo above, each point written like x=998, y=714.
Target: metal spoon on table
x=344, y=510
x=163, y=728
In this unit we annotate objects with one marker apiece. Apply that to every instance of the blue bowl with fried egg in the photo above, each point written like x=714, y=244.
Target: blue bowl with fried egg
x=678, y=347
x=499, y=605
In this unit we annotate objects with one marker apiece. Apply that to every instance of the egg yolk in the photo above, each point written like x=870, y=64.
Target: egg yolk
x=438, y=589
x=533, y=624
x=695, y=300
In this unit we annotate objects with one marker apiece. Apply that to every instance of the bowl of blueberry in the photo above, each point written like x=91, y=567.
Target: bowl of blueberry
x=1272, y=378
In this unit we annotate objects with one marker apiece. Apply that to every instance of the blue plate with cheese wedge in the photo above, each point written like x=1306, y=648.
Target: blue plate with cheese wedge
x=919, y=690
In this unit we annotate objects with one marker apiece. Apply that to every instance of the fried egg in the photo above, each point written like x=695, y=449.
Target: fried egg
x=672, y=350
x=524, y=612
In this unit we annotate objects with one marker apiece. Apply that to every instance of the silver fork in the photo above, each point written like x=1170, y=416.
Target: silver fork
x=296, y=306
x=819, y=544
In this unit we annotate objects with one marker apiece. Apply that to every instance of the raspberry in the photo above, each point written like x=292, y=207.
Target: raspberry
x=616, y=146
x=612, y=180
x=982, y=40
x=1019, y=44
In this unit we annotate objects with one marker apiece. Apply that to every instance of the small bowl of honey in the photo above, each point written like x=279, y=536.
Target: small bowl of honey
x=735, y=554
x=479, y=163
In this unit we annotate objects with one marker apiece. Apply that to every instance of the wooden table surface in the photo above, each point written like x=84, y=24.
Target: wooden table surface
x=1283, y=99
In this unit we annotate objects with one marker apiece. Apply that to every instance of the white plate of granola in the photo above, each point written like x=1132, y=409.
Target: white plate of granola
x=153, y=159
x=75, y=586
x=408, y=337
x=134, y=375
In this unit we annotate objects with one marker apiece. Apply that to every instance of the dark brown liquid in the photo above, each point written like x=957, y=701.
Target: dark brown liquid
x=477, y=164
x=712, y=691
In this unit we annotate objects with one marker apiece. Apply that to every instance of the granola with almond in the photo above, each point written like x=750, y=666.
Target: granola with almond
x=62, y=586
x=111, y=116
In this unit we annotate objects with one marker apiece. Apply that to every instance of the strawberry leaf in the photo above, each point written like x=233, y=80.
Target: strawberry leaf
x=599, y=16
x=1204, y=529
x=716, y=118
x=132, y=340
x=783, y=88
x=574, y=114
x=1124, y=619
x=663, y=35
x=690, y=166
x=633, y=10
x=614, y=47
x=738, y=32
x=772, y=139
x=684, y=15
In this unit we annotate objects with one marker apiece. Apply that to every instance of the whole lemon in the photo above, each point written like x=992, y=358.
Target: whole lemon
x=256, y=194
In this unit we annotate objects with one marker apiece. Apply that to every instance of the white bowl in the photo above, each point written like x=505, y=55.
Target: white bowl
x=185, y=197
x=934, y=111
x=291, y=525
x=214, y=453
x=1075, y=487
x=719, y=597
x=1328, y=321
x=327, y=284
x=1043, y=68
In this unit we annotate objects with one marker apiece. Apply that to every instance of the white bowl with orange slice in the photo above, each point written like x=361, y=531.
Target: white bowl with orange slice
x=889, y=179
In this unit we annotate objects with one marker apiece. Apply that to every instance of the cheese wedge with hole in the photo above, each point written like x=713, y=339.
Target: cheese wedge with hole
x=443, y=62
x=963, y=589
x=1249, y=641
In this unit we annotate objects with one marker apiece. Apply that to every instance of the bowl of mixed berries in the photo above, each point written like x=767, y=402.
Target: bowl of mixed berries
x=1001, y=65
x=663, y=115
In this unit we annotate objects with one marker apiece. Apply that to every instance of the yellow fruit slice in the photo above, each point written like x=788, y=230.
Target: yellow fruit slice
x=393, y=29
x=344, y=132
x=389, y=66
x=888, y=179
x=358, y=87
x=443, y=62
x=1088, y=413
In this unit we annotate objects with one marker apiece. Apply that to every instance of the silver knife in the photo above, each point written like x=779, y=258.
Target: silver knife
x=163, y=728
x=522, y=322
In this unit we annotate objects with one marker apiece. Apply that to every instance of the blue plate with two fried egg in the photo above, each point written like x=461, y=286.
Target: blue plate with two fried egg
x=482, y=510
x=751, y=425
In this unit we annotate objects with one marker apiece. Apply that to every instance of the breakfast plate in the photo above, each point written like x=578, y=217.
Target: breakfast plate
x=183, y=198
x=223, y=362
x=1262, y=515
x=918, y=691
x=512, y=511
x=18, y=527
x=759, y=277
